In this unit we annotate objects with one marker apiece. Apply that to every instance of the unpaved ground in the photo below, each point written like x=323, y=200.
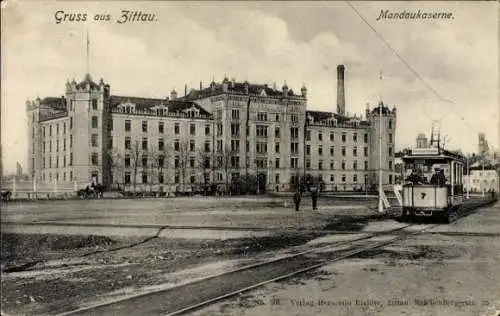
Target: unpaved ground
x=424, y=275
x=65, y=280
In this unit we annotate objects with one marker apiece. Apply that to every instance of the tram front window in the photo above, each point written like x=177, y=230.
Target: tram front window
x=424, y=172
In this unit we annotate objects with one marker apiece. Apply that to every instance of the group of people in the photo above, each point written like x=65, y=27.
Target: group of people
x=297, y=197
x=437, y=178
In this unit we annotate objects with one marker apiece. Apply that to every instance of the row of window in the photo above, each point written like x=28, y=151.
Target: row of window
x=178, y=146
x=57, y=145
x=57, y=178
x=161, y=127
x=47, y=161
x=58, y=128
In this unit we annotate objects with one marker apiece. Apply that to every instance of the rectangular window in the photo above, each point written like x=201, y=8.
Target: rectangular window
x=366, y=138
x=219, y=145
x=207, y=146
x=332, y=136
x=261, y=148
x=235, y=114
x=57, y=129
x=390, y=123
x=161, y=127
x=64, y=128
x=177, y=162
x=355, y=137
x=64, y=161
x=110, y=124
x=50, y=146
x=332, y=165
x=343, y=178
x=144, y=177
x=144, y=144
x=262, y=116
x=277, y=132
x=50, y=130
x=191, y=162
x=366, y=165
x=177, y=128
x=355, y=178
x=294, y=132
x=277, y=178
x=161, y=178
x=390, y=138
x=320, y=165
x=355, y=151
x=343, y=151
x=308, y=163
x=277, y=148
x=320, y=136
x=277, y=119
x=128, y=142
x=390, y=165
x=320, y=150
x=294, y=162
x=144, y=161
x=57, y=145
x=110, y=143
x=161, y=144
x=235, y=130
x=308, y=135
x=95, y=160
x=235, y=145
x=93, y=140
x=207, y=129
x=192, y=145
x=235, y=162
x=308, y=150
x=57, y=161
x=161, y=161
x=71, y=159
x=144, y=126
x=366, y=151
x=343, y=137
x=128, y=125
x=277, y=163
x=332, y=178
x=94, y=104
x=294, y=148
x=94, y=122
x=343, y=164
x=355, y=165
x=261, y=131
x=43, y=131
x=295, y=118
x=192, y=129
x=390, y=151
x=332, y=151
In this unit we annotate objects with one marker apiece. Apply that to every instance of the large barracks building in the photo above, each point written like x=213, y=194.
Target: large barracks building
x=213, y=134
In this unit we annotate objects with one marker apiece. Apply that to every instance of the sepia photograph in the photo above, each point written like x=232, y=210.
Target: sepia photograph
x=250, y=158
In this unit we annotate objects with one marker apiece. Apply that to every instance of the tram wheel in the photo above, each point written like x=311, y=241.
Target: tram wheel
x=451, y=216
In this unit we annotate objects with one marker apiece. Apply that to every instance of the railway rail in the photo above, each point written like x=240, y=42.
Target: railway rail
x=194, y=295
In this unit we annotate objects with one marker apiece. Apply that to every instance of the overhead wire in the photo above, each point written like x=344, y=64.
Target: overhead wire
x=413, y=71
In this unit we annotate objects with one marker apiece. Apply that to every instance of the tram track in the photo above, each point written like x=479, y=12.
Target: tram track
x=193, y=295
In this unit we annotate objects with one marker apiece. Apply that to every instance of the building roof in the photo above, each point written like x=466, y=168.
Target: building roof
x=319, y=116
x=87, y=80
x=144, y=104
x=235, y=87
x=53, y=102
x=385, y=109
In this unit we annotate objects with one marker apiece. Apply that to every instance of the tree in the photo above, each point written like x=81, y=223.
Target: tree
x=205, y=165
x=135, y=156
x=159, y=163
x=181, y=151
x=115, y=165
x=224, y=163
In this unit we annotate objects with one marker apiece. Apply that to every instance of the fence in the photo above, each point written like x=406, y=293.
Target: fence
x=33, y=189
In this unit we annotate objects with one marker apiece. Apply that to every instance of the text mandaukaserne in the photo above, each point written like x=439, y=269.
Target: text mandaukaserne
x=413, y=15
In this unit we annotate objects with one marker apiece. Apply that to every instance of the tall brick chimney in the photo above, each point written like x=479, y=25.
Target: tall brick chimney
x=340, y=90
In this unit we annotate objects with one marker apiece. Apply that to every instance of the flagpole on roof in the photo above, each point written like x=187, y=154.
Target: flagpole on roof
x=87, y=56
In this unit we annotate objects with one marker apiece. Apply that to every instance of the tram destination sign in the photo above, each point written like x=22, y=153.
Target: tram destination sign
x=425, y=151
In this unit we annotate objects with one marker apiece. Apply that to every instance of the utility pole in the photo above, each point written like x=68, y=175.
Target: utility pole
x=380, y=192
x=468, y=178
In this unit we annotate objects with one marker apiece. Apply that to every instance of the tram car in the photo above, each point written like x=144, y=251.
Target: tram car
x=432, y=184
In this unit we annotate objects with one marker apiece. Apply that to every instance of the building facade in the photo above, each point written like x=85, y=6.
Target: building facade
x=482, y=180
x=215, y=134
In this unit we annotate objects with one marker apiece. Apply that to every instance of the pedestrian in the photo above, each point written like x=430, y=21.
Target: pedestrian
x=296, y=200
x=314, y=196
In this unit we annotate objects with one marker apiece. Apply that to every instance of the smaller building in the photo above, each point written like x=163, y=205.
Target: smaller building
x=479, y=180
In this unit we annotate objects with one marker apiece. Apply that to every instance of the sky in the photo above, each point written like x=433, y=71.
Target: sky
x=454, y=75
